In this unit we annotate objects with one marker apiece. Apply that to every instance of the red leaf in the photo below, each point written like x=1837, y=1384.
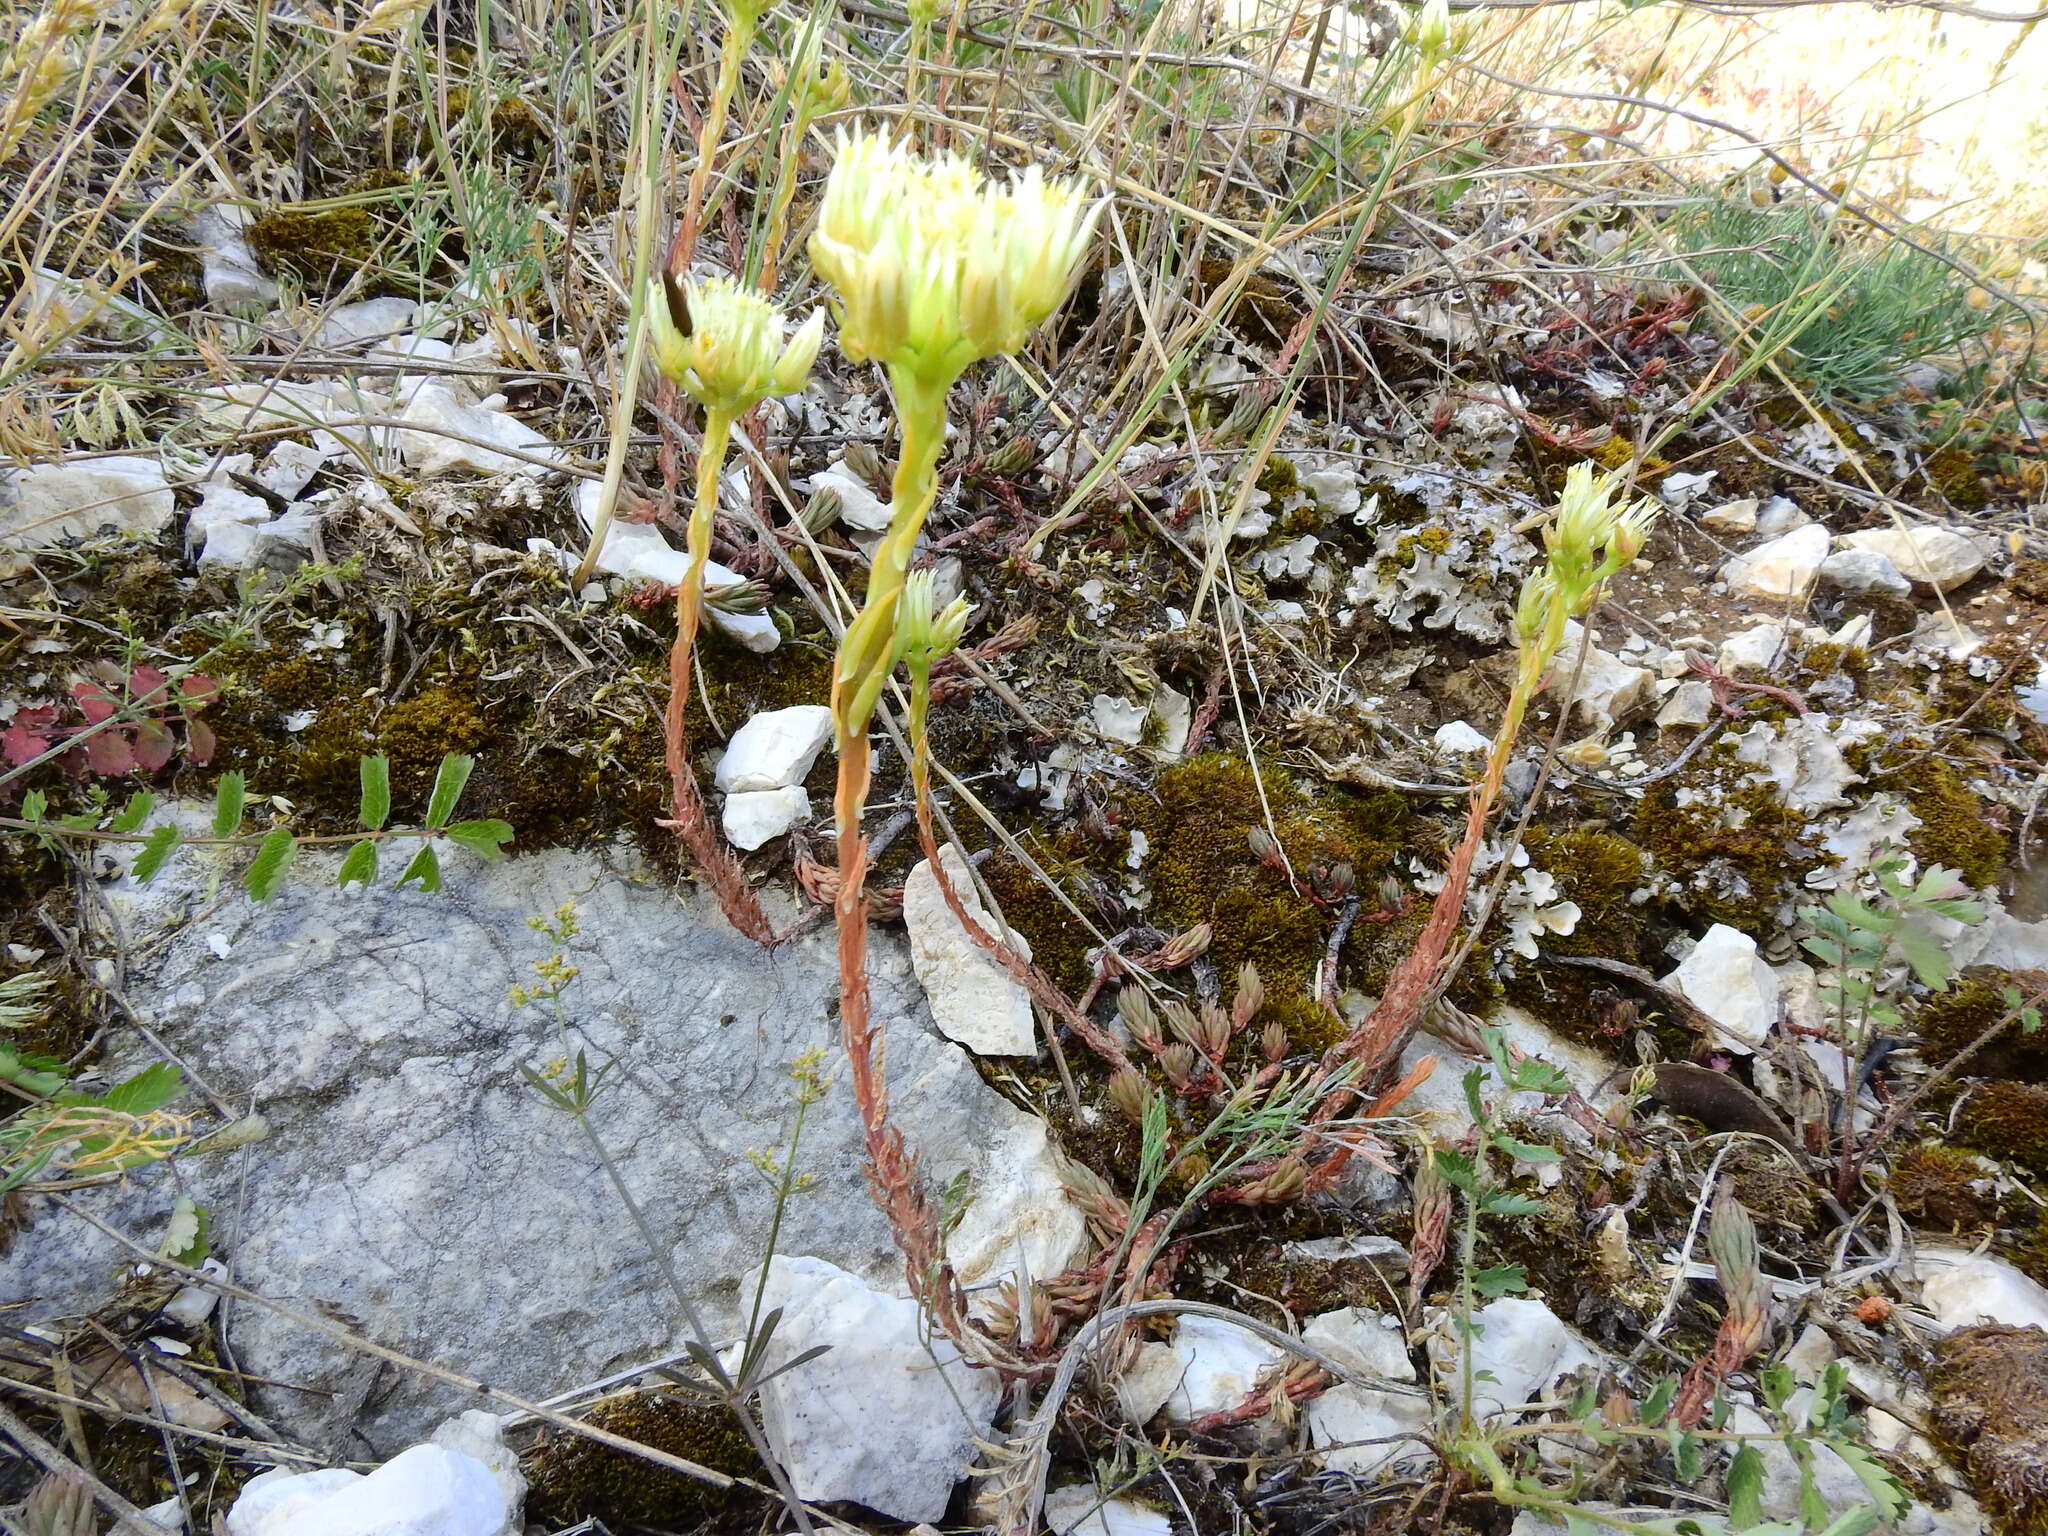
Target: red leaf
x=20, y=744
x=199, y=741
x=110, y=753
x=154, y=745
x=94, y=702
x=199, y=690
x=146, y=685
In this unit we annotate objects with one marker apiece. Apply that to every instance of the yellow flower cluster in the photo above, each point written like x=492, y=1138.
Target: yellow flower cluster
x=937, y=268
x=723, y=343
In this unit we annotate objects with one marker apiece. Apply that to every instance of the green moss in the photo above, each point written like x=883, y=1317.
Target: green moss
x=1954, y=474
x=1598, y=871
x=2008, y=1120
x=1279, y=478
x=1728, y=838
x=573, y=1479
x=1932, y=1186
x=1955, y=828
x=316, y=244
x=1059, y=941
x=1951, y=1022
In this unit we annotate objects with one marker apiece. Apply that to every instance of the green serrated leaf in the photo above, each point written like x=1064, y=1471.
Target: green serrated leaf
x=35, y=805
x=360, y=865
x=1659, y=1402
x=448, y=782
x=1927, y=955
x=1746, y=1488
x=1857, y=1520
x=147, y=1091
x=1500, y=1280
x=1502, y=1204
x=376, y=805
x=229, y=798
x=154, y=852
x=486, y=839
x=1885, y=1490
x=134, y=813
x=1685, y=1454
x=1526, y=1151
x=425, y=868
x=1456, y=1168
x=264, y=877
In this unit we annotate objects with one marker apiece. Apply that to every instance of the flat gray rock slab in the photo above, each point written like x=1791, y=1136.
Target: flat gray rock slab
x=415, y=1182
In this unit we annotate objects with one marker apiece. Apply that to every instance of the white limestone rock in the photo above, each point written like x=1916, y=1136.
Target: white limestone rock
x=426, y=1491
x=774, y=749
x=227, y=267
x=1932, y=557
x=1963, y=1289
x=1021, y=1223
x=1362, y=1340
x=1731, y=519
x=448, y=433
x=889, y=1416
x=1142, y=1390
x=1786, y=566
x=1360, y=1429
x=640, y=552
x=1438, y=1103
x=234, y=545
x=1729, y=981
x=1609, y=688
x=1078, y=1510
x=1457, y=738
x=1690, y=703
x=347, y=325
x=1755, y=650
x=974, y=1000
x=1778, y=517
x=1220, y=1366
x=1861, y=572
x=118, y=493
x=756, y=817
x=1523, y=1350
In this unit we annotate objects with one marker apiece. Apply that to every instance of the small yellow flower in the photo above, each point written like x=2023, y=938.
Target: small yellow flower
x=723, y=343
x=1431, y=29
x=1591, y=538
x=937, y=268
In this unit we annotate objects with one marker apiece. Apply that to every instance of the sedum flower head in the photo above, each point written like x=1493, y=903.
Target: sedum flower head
x=1591, y=538
x=925, y=631
x=1430, y=30
x=936, y=267
x=723, y=343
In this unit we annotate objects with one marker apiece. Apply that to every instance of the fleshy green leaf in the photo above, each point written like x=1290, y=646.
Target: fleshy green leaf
x=448, y=782
x=376, y=806
x=135, y=812
x=154, y=852
x=265, y=875
x=424, y=868
x=228, y=800
x=482, y=838
x=360, y=865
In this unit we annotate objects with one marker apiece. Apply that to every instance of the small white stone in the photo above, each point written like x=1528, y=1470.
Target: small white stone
x=1221, y=1364
x=1457, y=738
x=1752, y=650
x=1863, y=571
x=1691, y=703
x=1021, y=1221
x=232, y=545
x=775, y=748
x=1926, y=554
x=448, y=434
x=227, y=267
x=1362, y=1340
x=1812, y=1353
x=1609, y=689
x=638, y=552
x=1963, y=1289
x=1784, y=567
x=1779, y=516
x=425, y=1491
x=890, y=1416
x=1081, y=1511
x=754, y=817
x=119, y=493
x=1731, y=518
x=1344, y=1420
x=973, y=999
x=1143, y=1390
x=1730, y=982
x=347, y=324
x=1522, y=1351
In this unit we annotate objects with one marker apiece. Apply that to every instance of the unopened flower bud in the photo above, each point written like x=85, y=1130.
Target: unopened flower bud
x=1430, y=31
x=738, y=598
x=820, y=512
x=1014, y=458
x=1128, y=1094
x=923, y=634
x=1185, y=947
